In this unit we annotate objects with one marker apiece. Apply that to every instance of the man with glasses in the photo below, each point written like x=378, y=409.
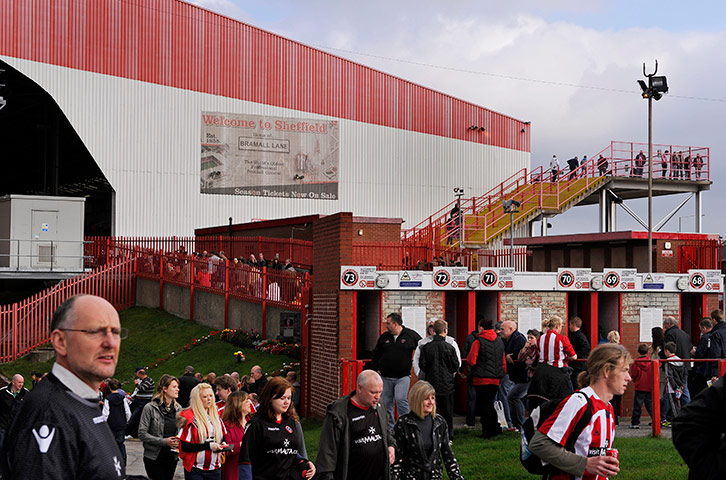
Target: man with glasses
x=58, y=432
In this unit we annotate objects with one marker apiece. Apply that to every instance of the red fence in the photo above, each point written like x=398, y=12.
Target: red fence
x=699, y=254
x=300, y=252
x=26, y=325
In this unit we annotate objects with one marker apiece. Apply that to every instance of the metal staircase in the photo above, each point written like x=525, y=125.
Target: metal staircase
x=483, y=221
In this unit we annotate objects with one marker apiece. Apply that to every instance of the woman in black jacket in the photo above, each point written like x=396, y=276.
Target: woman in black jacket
x=422, y=440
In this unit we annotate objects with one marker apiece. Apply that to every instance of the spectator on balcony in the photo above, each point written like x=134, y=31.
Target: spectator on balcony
x=686, y=165
x=452, y=226
x=676, y=165
x=583, y=168
x=640, y=159
x=602, y=165
x=573, y=163
x=252, y=260
x=697, y=166
x=288, y=266
x=276, y=265
x=665, y=159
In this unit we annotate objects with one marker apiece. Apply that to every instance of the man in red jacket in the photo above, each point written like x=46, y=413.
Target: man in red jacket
x=488, y=365
x=642, y=372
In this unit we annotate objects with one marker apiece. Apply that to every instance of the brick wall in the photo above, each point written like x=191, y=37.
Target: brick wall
x=332, y=316
x=376, y=231
x=394, y=300
x=551, y=303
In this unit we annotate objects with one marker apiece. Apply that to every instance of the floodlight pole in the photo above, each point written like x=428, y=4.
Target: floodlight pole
x=511, y=237
x=650, y=165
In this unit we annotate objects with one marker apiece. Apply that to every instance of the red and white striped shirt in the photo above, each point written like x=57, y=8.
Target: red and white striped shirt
x=554, y=349
x=206, y=459
x=594, y=440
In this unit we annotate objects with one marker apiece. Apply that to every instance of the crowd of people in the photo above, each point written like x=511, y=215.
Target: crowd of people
x=676, y=165
x=245, y=276
x=227, y=427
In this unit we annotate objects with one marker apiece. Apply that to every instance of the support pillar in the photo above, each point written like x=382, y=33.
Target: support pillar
x=543, y=229
x=699, y=212
x=602, y=201
x=612, y=210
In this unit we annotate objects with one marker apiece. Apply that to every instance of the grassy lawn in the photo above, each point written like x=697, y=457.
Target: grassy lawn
x=641, y=458
x=154, y=335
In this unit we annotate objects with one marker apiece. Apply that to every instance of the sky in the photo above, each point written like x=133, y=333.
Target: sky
x=569, y=67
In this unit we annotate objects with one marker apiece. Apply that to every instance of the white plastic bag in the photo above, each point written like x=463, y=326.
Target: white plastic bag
x=500, y=414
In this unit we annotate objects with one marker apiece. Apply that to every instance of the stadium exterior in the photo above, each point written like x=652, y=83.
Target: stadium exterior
x=283, y=129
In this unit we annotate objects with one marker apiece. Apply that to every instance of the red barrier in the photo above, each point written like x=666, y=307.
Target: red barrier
x=25, y=325
x=656, y=387
x=349, y=371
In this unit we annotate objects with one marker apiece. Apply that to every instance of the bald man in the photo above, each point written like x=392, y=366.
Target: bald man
x=355, y=443
x=10, y=396
x=59, y=431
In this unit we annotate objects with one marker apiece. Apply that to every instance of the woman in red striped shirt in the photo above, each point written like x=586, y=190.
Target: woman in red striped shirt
x=202, y=437
x=555, y=349
x=607, y=374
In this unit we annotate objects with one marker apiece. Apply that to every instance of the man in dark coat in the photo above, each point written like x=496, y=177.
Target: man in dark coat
x=717, y=347
x=488, y=366
x=10, y=396
x=355, y=442
x=471, y=391
x=186, y=383
x=514, y=341
x=439, y=362
x=698, y=433
x=683, y=347
x=581, y=344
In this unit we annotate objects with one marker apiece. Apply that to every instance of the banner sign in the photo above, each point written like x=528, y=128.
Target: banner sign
x=265, y=156
x=573, y=278
x=705, y=281
x=619, y=279
x=357, y=277
x=450, y=278
x=497, y=278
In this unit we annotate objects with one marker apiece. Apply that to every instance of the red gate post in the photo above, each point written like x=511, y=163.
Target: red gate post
x=161, y=282
x=264, y=303
x=15, y=333
x=655, y=386
x=226, y=294
x=721, y=368
x=304, y=350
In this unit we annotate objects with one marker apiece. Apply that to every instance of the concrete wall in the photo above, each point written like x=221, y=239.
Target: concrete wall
x=208, y=307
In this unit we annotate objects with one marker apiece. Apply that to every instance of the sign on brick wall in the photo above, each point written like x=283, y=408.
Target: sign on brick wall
x=448, y=278
x=705, y=281
x=497, y=278
x=619, y=279
x=357, y=277
x=573, y=278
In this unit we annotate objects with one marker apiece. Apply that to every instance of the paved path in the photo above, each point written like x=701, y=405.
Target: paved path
x=135, y=451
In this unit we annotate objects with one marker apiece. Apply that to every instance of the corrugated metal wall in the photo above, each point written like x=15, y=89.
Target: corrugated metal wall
x=173, y=43
x=403, y=147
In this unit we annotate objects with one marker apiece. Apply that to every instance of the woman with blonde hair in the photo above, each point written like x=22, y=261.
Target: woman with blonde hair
x=422, y=439
x=273, y=446
x=202, y=436
x=157, y=430
x=607, y=374
x=236, y=409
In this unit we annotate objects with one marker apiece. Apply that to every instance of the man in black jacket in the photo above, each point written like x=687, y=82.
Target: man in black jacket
x=439, y=362
x=470, y=390
x=355, y=442
x=488, y=366
x=698, y=433
x=683, y=347
x=10, y=396
x=717, y=347
x=58, y=431
x=581, y=345
x=393, y=358
x=186, y=383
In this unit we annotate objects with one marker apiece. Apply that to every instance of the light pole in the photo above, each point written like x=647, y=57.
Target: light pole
x=510, y=207
x=655, y=89
x=458, y=193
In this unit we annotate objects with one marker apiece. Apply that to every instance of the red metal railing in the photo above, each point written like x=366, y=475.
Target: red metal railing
x=25, y=325
x=300, y=252
x=699, y=254
x=349, y=371
x=655, y=386
x=480, y=220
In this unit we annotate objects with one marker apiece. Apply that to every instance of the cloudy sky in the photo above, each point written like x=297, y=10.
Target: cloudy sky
x=569, y=67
